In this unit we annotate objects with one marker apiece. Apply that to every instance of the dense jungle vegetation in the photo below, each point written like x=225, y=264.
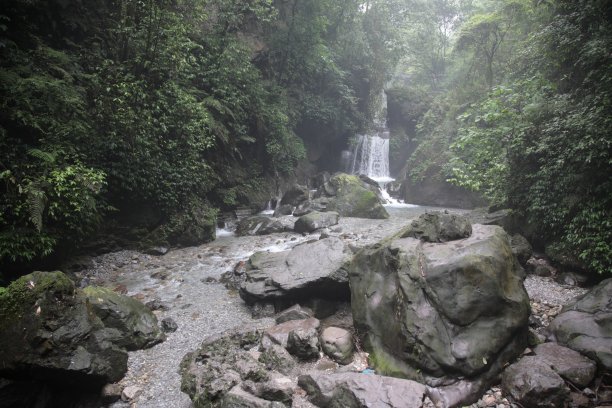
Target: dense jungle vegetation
x=190, y=107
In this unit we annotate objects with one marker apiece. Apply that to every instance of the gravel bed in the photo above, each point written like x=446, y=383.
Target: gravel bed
x=546, y=290
x=185, y=282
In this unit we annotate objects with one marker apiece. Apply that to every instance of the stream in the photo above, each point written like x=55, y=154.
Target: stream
x=185, y=284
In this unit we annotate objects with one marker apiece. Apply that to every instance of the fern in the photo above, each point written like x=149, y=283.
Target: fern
x=46, y=157
x=36, y=202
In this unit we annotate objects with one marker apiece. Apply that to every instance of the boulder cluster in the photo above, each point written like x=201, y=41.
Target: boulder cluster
x=439, y=310
x=431, y=316
x=56, y=334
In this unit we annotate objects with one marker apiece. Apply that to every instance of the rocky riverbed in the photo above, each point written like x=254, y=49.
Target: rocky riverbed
x=183, y=285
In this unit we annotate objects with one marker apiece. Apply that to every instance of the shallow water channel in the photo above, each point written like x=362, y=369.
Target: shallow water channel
x=186, y=282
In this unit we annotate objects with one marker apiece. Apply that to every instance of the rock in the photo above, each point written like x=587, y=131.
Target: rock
x=438, y=227
x=278, y=388
x=295, y=196
x=318, y=204
x=421, y=308
x=295, y=312
x=337, y=343
x=521, y=248
x=49, y=333
x=279, y=334
x=130, y=393
x=110, y=393
x=572, y=279
x=157, y=304
x=303, y=342
x=578, y=400
x=137, y=325
x=586, y=325
x=316, y=220
x=259, y=225
x=277, y=358
x=285, y=209
x=238, y=398
x=221, y=363
x=156, y=250
x=505, y=218
x=532, y=383
x=311, y=269
x=351, y=197
x=356, y=390
x=568, y=363
x=539, y=267
x=168, y=325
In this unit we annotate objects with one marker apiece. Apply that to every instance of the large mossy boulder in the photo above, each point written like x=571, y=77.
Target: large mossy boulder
x=586, y=325
x=49, y=333
x=350, y=196
x=311, y=269
x=57, y=334
x=441, y=313
x=136, y=325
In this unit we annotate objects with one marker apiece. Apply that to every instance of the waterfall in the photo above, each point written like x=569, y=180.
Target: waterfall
x=371, y=157
x=371, y=152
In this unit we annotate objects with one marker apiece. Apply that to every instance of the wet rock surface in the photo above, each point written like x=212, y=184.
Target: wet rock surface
x=61, y=335
x=533, y=383
x=421, y=309
x=350, y=196
x=316, y=220
x=586, y=325
x=438, y=227
x=203, y=307
x=311, y=269
x=259, y=225
x=356, y=390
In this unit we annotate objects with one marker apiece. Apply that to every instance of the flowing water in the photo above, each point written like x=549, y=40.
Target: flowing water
x=186, y=281
x=370, y=156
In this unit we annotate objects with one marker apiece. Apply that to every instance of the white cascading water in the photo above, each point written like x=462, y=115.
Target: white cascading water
x=371, y=153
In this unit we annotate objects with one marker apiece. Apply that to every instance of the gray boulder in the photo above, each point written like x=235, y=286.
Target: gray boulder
x=209, y=373
x=313, y=269
x=422, y=308
x=295, y=196
x=239, y=398
x=316, y=220
x=259, y=225
x=304, y=343
x=295, y=312
x=285, y=209
x=337, y=343
x=438, y=227
x=586, y=325
x=279, y=334
x=136, y=323
x=532, y=383
x=352, y=197
x=51, y=332
x=356, y=390
x=521, y=248
x=569, y=364
x=276, y=357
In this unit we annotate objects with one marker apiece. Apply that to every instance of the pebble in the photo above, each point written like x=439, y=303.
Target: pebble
x=153, y=377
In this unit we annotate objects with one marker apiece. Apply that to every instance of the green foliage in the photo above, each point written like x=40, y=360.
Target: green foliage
x=527, y=122
x=169, y=103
